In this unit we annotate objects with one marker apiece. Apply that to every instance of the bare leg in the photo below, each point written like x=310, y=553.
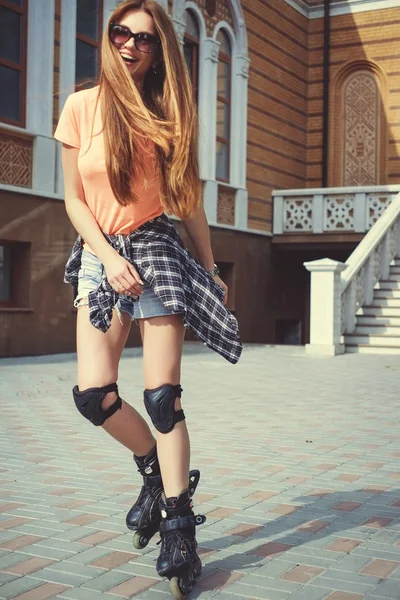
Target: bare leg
x=98, y=359
x=162, y=352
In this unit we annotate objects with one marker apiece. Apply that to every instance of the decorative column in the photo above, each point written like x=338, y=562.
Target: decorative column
x=39, y=92
x=40, y=53
x=178, y=17
x=239, y=132
x=325, y=307
x=67, y=70
x=108, y=8
x=208, y=127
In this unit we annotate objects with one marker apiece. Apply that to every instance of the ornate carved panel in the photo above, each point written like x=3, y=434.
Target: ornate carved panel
x=339, y=212
x=226, y=206
x=222, y=12
x=361, y=129
x=16, y=154
x=298, y=214
x=376, y=206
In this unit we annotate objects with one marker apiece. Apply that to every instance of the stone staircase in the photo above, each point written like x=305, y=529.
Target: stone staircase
x=378, y=325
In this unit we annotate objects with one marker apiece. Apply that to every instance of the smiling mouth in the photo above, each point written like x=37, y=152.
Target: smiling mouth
x=128, y=59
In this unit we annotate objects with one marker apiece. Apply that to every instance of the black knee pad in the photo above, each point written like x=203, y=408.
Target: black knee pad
x=160, y=407
x=89, y=403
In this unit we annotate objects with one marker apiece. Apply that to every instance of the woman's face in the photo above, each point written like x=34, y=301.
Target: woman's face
x=138, y=63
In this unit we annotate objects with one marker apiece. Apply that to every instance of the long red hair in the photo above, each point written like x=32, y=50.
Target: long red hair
x=165, y=114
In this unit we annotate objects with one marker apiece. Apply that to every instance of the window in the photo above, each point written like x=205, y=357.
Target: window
x=13, y=36
x=89, y=26
x=191, y=45
x=223, y=107
x=15, y=276
x=6, y=295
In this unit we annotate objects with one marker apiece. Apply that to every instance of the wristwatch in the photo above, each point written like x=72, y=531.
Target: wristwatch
x=214, y=271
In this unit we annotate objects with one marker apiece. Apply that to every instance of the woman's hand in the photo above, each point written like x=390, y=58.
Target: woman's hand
x=222, y=285
x=122, y=276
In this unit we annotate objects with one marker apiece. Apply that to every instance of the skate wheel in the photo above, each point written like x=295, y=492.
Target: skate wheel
x=140, y=541
x=175, y=587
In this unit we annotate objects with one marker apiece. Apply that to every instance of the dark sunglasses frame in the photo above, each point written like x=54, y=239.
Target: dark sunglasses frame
x=150, y=38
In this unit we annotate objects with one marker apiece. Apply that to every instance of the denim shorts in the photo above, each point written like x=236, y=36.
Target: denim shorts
x=90, y=274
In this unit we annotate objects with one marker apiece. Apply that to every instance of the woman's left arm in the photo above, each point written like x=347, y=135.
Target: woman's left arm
x=199, y=233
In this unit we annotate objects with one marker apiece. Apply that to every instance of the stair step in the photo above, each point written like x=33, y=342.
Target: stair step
x=379, y=311
x=387, y=293
x=388, y=284
x=373, y=340
x=377, y=329
x=378, y=320
x=366, y=349
x=386, y=302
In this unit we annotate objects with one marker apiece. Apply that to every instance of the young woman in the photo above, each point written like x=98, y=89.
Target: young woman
x=129, y=156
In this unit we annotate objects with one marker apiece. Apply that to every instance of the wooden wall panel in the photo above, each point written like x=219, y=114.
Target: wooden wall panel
x=277, y=109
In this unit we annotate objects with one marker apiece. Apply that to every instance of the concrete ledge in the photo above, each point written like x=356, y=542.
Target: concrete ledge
x=324, y=349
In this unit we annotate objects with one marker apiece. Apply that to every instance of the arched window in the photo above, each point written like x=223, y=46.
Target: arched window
x=89, y=26
x=223, y=107
x=191, y=47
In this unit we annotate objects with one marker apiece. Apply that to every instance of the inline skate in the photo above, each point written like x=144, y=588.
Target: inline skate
x=178, y=559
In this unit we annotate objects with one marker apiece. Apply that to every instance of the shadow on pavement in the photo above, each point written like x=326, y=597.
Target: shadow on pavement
x=337, y=522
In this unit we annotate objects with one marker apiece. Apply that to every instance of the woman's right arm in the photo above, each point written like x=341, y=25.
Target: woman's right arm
x=121, y=275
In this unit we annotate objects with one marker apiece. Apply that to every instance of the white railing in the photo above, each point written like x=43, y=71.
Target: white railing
x=323, y=210
x=338, y=289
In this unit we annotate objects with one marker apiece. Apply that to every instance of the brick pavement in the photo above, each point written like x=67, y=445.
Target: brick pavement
x=300, y=461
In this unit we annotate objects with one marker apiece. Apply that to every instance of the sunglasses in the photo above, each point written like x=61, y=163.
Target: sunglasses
x=144, y=42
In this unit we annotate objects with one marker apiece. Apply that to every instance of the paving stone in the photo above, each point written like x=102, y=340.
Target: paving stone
x=83, y=594
x=311, y=592
x=250, y=591
x=27, y=567
x=274, y=568
x=6, y=577
x=107, y=580
x=18, y=586
x=279, y=585
x=87, y=556
x=386, y=589
x=11, y=558
x=44, y=591
x=351, y=563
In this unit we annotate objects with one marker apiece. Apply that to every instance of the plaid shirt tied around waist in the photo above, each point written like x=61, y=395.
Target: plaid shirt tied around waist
x=183, y=286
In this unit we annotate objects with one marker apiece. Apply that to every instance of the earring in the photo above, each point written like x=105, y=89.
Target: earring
x=155, y=70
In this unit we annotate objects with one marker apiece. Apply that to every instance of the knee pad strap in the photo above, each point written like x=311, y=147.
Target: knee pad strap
x=89, y=403
x=160, y=406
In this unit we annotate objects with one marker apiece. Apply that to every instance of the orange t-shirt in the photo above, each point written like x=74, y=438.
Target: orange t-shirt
x=75, y=128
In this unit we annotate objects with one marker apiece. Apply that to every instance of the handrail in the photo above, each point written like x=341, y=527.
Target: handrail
x=368, y=244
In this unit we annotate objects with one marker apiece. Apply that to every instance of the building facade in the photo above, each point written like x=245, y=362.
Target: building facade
x=288, y=99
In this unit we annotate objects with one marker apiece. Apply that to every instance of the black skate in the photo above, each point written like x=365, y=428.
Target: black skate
x=178, y=559
x=144, y=516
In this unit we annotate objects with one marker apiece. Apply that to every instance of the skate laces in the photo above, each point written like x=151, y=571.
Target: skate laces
x=172, y=539
x=148, y=489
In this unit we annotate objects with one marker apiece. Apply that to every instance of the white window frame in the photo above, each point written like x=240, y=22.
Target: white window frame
x=208, y=65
